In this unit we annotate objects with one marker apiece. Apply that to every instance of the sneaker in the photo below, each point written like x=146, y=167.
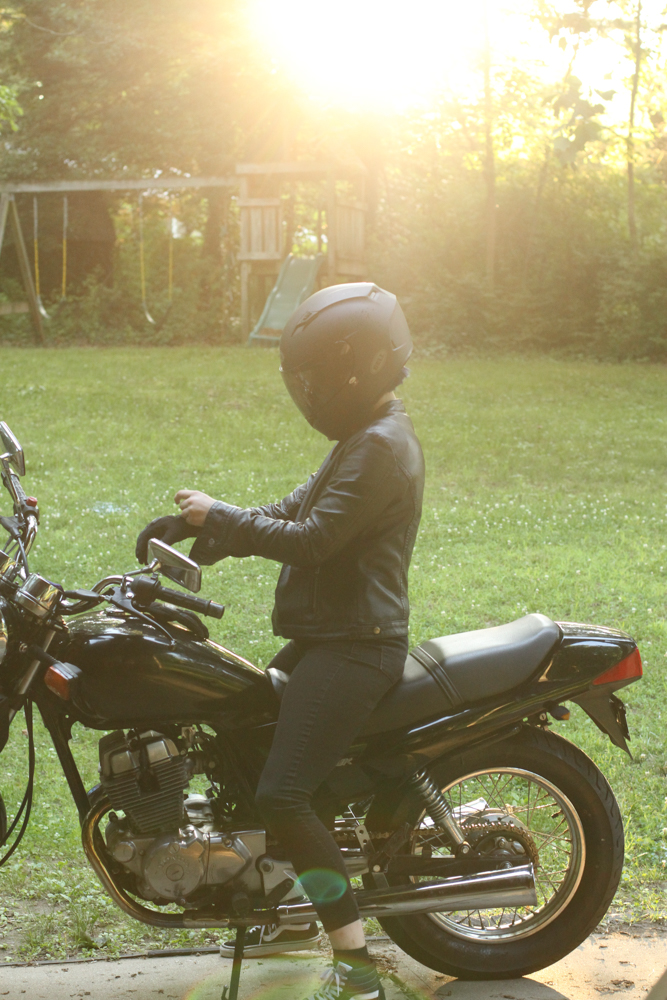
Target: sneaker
x=337, y=985
x=272, y=939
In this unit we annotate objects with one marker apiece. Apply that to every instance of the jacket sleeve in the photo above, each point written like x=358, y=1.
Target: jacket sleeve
x=358, y=491
x=285, y=510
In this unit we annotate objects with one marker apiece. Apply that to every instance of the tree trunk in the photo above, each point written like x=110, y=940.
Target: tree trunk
x=217, y=204
x=489, y=160
x=535, y=218
x=630, y=142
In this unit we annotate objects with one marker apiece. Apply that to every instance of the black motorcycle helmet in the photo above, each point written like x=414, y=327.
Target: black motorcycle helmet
x=341, y=350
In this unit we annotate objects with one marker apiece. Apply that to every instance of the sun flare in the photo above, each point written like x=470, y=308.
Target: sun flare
x=386, y=55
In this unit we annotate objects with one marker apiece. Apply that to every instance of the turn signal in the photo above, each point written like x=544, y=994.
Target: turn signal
x=61, y=679
x=626, y=670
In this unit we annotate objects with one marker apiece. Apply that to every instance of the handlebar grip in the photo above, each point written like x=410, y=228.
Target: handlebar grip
x=202, y=607
x=20, y=492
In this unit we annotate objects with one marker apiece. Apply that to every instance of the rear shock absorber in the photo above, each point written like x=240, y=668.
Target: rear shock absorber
x=439, y=810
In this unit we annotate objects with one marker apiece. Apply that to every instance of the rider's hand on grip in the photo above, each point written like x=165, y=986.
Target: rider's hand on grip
x=169, y=529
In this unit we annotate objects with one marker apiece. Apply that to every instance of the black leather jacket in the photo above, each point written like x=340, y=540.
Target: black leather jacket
x=345, y=537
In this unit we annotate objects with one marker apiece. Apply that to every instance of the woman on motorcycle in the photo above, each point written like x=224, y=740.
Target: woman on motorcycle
x=345, y=539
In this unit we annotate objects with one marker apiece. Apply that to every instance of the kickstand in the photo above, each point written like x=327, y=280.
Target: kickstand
x=232, y=992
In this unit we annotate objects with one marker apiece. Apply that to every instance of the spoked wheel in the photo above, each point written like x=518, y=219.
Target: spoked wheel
x=3, y=821
x=521, y=817
x=535, y=798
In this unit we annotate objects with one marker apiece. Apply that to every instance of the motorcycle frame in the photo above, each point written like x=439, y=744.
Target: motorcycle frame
x=382, y=760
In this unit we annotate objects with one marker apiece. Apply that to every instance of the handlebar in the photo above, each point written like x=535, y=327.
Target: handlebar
x=18, y=489
x=23, y=505
x=203, y=607
x=147, y=590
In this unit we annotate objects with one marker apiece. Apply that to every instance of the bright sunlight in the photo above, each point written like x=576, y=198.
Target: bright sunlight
x=387, y=55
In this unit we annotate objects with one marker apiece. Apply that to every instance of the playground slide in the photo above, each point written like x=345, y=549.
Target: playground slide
x=295, y=283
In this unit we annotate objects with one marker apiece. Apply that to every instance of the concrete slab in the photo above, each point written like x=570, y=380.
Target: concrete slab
x=615, y=964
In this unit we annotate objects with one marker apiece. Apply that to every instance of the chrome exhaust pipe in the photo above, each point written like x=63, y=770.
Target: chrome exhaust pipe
x=512, y=888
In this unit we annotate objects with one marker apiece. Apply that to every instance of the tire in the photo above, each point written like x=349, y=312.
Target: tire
x=3, y=821
x=586, y=832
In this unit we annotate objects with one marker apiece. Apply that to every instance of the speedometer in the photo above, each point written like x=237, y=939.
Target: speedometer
x=3, y=636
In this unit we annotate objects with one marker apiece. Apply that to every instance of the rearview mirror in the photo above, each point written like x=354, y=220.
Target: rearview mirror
x=174, y=565
x=12, y=450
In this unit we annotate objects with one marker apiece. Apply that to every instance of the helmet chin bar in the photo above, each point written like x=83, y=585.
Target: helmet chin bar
x=343, y=415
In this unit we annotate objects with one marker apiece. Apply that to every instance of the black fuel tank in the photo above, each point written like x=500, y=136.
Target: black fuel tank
x=132, y=675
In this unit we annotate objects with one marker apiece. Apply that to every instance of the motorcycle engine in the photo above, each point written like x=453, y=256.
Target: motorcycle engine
x=167, y=841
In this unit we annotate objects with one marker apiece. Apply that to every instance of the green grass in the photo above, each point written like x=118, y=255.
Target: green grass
x=545, y=492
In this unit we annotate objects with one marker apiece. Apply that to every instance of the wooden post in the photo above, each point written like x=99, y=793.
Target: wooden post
x=245, y=298
x=245, y=271
x=332, y=224
x=26, y=274
x=4, y=208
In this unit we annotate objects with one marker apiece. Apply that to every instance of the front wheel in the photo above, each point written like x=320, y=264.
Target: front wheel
x=537, y=798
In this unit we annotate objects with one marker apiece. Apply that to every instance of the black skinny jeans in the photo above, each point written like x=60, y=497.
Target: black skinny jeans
x=333, y=688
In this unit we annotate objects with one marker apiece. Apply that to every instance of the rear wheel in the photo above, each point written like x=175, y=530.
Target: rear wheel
x=534, y=798
x=3, y=821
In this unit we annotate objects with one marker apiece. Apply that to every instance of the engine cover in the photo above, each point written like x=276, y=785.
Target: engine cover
x=171, y=867
x=174, y=866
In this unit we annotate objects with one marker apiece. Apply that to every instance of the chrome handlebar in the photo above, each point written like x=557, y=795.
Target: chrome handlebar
x=31, y=533
x=17, y=493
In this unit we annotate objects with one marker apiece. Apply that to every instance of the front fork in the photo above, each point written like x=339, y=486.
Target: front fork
x=11, y=704
x=54, y=721
x=18, y=698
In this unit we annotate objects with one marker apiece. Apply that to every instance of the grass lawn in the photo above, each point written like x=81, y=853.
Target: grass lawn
x=545, y=492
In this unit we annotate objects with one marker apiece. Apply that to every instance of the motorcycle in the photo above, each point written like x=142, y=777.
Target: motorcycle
x=487, y=846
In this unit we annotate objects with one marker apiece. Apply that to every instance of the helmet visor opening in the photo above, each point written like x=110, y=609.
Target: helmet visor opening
x=313, y=384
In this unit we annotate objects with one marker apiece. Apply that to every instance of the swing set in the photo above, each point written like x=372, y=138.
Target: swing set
x=30, y=272
x=264, y=191
x=158, y=324
x=35, y=229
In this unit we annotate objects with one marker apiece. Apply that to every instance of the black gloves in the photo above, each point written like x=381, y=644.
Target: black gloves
x=169, y=529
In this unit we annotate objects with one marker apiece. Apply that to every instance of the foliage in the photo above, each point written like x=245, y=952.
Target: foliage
x=10, y=109
x=570, y=259
x=111, y=86
x=98, y=311
x=567, y=276
x=521, y=514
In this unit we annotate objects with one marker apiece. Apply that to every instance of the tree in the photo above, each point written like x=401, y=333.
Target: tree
x=117, y=86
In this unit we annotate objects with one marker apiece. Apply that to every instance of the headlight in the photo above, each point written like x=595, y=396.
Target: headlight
x=3, y=636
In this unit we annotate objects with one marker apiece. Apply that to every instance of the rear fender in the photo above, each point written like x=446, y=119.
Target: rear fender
x=608, y=713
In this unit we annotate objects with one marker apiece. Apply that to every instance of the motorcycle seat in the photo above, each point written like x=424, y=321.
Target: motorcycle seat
x=445, y=675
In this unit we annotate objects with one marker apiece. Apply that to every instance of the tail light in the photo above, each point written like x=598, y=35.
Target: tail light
x=61, y=678
x=627, y=670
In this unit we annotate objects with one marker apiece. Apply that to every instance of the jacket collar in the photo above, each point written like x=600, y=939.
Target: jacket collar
x=391, y=406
